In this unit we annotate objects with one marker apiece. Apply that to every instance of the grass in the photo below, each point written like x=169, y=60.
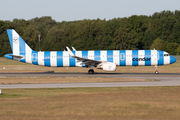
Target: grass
x=91, y=103
x=30, y=80
x=15, y=66
x=5, y=61
x=87, y=103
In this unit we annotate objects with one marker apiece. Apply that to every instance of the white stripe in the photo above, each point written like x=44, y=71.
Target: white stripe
x=53, y=56
x=154, y=57
x=79, y=54
x=65, y=59
x=166, y=59
x=41, y=58
x=91, y=55
x=103, y=55
x=141, y=54
x=129, y=57
x=15, y=43
x=116, y=57
x=28, y=54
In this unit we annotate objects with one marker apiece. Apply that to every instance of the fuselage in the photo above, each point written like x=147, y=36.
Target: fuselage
x=119, y=57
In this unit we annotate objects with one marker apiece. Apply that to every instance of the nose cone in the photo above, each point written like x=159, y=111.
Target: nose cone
x=172, y=59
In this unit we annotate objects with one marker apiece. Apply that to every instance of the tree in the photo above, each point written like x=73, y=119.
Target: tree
x=175, y=35
x=122, y=39
x=160, y=31
x=178, y=50
x=158, y=44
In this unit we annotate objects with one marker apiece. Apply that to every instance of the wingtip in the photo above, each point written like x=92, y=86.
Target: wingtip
x=70, y=52
x=68, y=48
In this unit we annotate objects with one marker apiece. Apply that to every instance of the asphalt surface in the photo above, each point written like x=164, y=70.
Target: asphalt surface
x=163, y=79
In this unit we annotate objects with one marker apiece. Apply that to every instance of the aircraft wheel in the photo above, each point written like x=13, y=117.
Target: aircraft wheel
x=156, y=72
x=91, y=71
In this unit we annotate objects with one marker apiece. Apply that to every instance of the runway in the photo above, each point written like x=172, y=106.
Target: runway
x=162, y=79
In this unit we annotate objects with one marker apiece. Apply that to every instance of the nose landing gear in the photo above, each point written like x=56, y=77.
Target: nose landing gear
x=156, y=72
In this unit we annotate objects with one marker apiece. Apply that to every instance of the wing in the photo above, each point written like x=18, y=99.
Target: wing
x=85, y=61
x=88, y=62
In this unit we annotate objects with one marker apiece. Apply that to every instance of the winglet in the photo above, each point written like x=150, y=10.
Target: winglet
x=73, y=48
x=70, y=52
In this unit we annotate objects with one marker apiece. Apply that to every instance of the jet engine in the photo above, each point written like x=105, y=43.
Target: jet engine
x=107, y=66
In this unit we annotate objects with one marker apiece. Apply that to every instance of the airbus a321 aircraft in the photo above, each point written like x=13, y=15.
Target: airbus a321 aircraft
x=102, y=59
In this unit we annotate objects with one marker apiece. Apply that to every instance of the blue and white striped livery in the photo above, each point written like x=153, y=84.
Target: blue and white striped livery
x=102, y=59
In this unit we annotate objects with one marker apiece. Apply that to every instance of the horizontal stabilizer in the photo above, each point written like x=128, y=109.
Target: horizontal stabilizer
x=17, y=56
x=14, y=57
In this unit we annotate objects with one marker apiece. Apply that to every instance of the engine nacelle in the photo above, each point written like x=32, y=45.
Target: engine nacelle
x=108, y=66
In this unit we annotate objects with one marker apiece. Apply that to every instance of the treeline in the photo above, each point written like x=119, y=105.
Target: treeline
x=160, y=31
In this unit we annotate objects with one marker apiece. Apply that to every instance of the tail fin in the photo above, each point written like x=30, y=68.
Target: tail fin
x=18, y=45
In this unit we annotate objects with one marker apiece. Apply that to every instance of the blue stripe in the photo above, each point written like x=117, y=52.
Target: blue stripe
x=72, y=61
x=59, y=58
x=9, y=56
x=34, y=57
x=110, y=55
x=22, y=49
x=10, y=38
x=84, y=55
x=161, y=57
x=122, y=54
x=47, y=58
x=97, y=55
x=134, y=56
x=148, y=55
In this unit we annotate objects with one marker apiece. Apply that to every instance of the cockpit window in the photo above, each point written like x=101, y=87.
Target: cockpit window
x=166, y=54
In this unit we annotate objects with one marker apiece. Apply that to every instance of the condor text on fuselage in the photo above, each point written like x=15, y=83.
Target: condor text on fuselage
x=141, y=59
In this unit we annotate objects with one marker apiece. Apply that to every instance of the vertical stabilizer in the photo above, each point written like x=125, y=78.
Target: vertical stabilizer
x=20, y=50
x=18, y=45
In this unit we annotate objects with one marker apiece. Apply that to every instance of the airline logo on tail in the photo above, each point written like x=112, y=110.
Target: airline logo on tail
x=16, y=40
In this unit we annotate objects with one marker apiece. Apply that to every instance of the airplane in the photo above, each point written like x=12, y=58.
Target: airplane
x=106, y=60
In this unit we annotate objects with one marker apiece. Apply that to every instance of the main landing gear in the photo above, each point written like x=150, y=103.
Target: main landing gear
x=91, y=71
x=156, y=72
